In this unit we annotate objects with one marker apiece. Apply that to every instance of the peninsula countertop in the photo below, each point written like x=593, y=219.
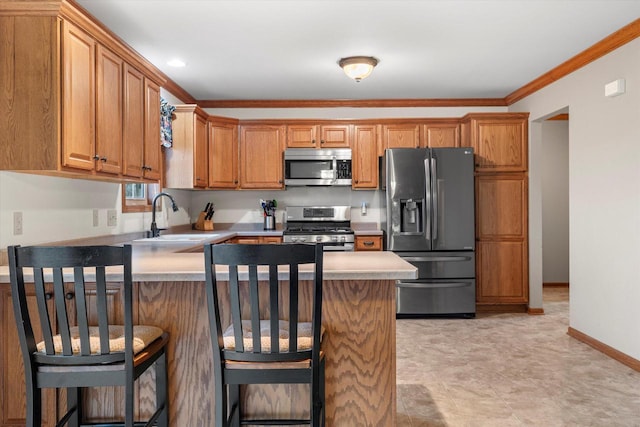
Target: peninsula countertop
x=175, y=260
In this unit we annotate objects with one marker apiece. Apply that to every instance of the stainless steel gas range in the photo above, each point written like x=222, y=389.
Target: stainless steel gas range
x=330, y=225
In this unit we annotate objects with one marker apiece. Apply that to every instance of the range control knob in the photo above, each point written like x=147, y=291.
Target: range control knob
x=334, y=238
x=318, y=238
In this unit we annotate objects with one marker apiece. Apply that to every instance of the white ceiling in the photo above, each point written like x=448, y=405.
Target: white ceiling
x=288, y=49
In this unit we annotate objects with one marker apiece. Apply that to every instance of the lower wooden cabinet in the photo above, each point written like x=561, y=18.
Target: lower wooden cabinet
x=368, y=243
x=502, y=272
x=13, y=393
x=501, y=232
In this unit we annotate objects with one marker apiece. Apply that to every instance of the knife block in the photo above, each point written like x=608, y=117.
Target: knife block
x=204, y=224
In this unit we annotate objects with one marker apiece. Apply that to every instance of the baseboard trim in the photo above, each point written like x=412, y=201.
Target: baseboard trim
x=555, y=284
x=605, y=349
x=501, y=308
x=535, y=311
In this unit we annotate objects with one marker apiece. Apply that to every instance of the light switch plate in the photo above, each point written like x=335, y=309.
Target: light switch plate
x=112, y=218
x=96, y=218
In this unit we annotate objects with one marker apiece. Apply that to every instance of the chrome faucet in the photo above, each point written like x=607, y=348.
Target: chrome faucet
x=155, y=231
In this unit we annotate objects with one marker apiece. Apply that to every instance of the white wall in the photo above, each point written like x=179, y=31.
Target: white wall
x=604, y=195
x=55, y=209
x=555, y=201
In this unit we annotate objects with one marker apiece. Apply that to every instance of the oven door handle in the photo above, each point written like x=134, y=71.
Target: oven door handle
x=436, y=258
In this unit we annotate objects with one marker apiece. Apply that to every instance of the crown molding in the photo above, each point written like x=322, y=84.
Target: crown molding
x=357, y=103
x=598, y=50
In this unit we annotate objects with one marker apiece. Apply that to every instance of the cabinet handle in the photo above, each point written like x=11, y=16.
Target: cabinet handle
x=357, y=181
x=368, y=243
x=279, y=181
x=313, y=141
x=96, y=157
x=69, y=295
x=104, y=159
x=322, y=141
x=48, y=295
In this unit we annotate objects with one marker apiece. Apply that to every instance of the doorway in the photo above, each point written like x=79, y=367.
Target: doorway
x=555, y=199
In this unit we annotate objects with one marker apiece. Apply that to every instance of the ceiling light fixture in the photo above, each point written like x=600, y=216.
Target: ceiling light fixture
x=358, y=67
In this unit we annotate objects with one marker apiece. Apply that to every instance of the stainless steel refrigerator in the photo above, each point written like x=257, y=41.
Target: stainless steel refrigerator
x=430, y=223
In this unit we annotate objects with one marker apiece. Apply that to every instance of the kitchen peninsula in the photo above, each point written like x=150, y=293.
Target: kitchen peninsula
x=359, y=343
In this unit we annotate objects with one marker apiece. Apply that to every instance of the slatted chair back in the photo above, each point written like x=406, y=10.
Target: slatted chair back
x=258, y=267
x=68, y=329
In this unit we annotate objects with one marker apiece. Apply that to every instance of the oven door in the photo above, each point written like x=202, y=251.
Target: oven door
x=339, y=247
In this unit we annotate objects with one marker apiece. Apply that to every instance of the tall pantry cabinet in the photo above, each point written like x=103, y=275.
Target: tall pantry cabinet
x=500, y=145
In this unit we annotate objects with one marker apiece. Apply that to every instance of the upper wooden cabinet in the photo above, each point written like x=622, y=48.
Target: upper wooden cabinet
x=261, y=156
x=499, y=141
x=70, y=99
x=441, y=134
x=401, y=135
x=318, y=136
x=364, y=157
x=78, y=98
x=186, y=162
x=223, y=153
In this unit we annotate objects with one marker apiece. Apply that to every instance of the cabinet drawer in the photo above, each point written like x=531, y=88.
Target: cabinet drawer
x=368, y=243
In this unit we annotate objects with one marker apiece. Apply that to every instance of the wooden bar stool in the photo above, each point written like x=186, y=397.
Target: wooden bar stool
x=81, y=345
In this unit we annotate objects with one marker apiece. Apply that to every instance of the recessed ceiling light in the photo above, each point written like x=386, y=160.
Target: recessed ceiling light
x=177, y=63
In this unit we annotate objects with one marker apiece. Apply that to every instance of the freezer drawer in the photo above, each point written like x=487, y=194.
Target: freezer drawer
x=450, y=297
x=442, y=265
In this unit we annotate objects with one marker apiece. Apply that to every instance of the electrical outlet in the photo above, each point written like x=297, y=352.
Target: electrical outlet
x=96, y=218
x=17, y=223
x=112, y=218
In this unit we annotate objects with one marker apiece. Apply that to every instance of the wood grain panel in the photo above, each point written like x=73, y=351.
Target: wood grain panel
x=500, y=146
x=261, y=160
x=109, y=111
x=223, y=155
x=28, y=93
x=13, y=405
x=401, y=136
x=359, y=317
x=365, y=156
x=441, y=135
x=501, y=206
x=133, y=126
x=180, y=308
x=502, y=273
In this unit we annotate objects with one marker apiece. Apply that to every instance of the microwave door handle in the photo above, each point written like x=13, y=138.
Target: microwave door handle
x=334, y=165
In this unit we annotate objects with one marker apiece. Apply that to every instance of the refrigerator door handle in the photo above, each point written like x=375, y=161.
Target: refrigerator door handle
x=434, y=194
x=436, y=258
x=426, y=285
x=427, y=199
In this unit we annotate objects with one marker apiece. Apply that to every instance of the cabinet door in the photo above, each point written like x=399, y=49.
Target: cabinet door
x=441, y=135
x=261, y=159
x=13, y=391
x=78, y=98
x=152, y=161
x=302, y=136
x=134, y=122
x=109, y=111
x=501, y=206
x=200, y=155
x=365, y=157
x=401, y=136
x=334, y=136
x=500, y=144
x=501, y=229
x=223, y=156
x=502, y=272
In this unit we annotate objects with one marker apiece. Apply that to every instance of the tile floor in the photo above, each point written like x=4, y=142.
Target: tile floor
x=510, y=370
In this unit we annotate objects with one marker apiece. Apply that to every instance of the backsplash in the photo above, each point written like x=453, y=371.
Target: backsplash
x=244, y=206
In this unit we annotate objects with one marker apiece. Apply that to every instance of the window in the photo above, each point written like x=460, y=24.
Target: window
x=137, y=197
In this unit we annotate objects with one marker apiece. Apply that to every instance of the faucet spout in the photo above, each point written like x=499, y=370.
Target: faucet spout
x=155, y=231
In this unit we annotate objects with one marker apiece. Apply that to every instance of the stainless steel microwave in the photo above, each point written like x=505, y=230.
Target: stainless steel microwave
x=309, y=166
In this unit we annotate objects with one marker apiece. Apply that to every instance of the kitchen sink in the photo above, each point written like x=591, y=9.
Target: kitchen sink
x=178, y=238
